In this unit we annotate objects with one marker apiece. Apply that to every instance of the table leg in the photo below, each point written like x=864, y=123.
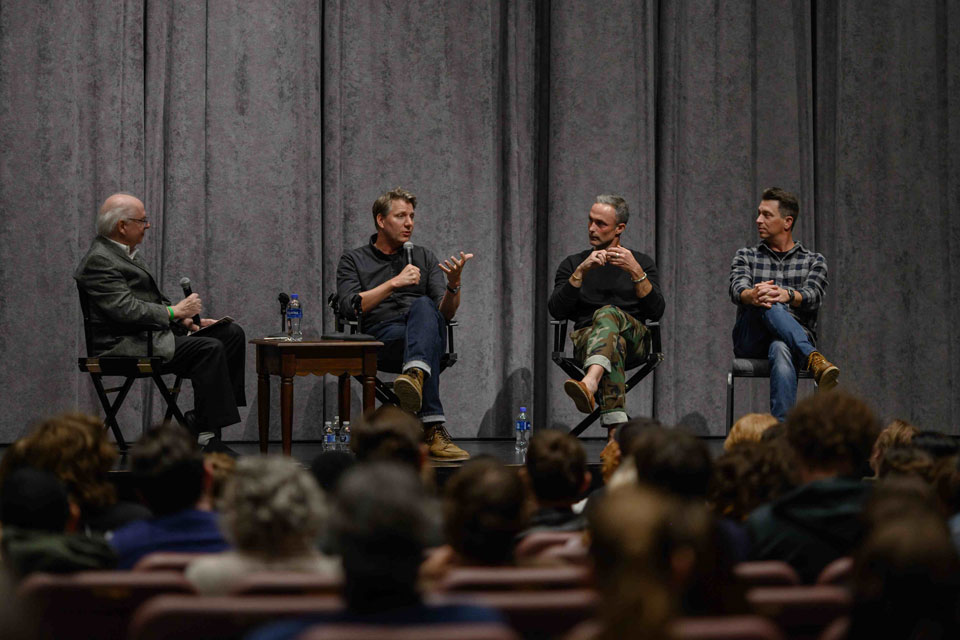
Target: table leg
x=263, y=409
x=343, y=392
x=286, y=413
x=369, y=392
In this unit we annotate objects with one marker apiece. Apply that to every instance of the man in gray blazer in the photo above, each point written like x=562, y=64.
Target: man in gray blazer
x=122, y=292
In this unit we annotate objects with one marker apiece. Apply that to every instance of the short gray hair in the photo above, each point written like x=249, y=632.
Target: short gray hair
x=107, y=220
x=618, y=203
x=272, y=507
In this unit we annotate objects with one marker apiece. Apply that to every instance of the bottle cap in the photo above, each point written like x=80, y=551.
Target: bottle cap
x=523, y=409
x=294, y=296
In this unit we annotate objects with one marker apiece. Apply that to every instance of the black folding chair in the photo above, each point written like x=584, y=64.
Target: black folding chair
x=384, y=388
x=570, y=365
x=130, y=368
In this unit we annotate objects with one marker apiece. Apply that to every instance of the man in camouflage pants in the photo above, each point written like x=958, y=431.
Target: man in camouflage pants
x=607, y=290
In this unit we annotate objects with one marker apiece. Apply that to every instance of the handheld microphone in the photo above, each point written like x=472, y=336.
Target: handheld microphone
x=284, y=300
x=187, y=292
x=408, y=249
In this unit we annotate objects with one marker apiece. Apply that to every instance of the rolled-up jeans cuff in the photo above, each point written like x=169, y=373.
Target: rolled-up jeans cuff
x=613, y=417
x=419, y=364
x=434, y=419
x=603, y=361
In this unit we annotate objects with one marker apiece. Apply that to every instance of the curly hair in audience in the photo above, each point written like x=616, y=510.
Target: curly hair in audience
x=388, y=434
x=556, y=465
x=748, y=428
x=485, y=506
x=898, y=433
x=272, y=507
x=832, y=431
x=74, y=447
x=750, y=475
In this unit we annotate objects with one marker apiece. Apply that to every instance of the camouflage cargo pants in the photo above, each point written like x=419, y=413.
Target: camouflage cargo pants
x=615, y=340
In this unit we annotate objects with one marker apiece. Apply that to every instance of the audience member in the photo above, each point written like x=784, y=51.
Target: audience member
x=749, y=428
x=831, y=435
x=898, y=433
x=74, y=447
x=380, y=521
x=272, y=514
x=221, y=467
x=749, y=475
x=939, y=445
x=613, y=454
x=905, y=580
x=556, y=469
x=906, y=461
x=392, y=434
x=172, y=479
x=38, y=521
x=773, y=433
x=328, y=467
x=674, y=461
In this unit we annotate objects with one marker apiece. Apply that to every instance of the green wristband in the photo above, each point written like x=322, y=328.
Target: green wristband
x=170, y=309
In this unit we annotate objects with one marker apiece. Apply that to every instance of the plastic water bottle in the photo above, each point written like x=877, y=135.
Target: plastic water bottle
x=345, y=437
x=294, y=316
x=329, y=439
x=522, y=430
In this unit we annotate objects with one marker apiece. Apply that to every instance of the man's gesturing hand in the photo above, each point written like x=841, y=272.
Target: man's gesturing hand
x=188, y=307
x=454, y=267
x=409, y=276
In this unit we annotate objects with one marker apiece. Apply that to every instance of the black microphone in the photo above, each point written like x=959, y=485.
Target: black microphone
x=187, y=292
x=284, y=300
x=408, y=248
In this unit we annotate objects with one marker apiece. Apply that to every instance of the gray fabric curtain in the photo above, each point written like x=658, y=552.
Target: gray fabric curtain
x=258, y=133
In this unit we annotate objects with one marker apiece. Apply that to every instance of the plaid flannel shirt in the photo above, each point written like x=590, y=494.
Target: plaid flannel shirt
x=799, y=269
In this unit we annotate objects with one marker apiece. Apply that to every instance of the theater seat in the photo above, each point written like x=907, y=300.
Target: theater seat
x=801, y=611
x=463, y=631
x=289, y=582
x=166, y=561
x=725, y=628
x=182, y=617
x=537, y=542
x=516, y=578
x=533, y=614
x=95, y=604
x=765, y=573
x=838, y=573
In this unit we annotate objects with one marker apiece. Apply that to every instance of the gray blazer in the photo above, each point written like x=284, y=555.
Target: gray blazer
x=121, y=292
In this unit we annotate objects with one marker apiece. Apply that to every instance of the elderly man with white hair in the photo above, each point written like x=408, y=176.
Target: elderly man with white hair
x=125, y=299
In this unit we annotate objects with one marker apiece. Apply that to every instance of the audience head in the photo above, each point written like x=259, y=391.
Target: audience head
x=389, y=434
x=831, y=434
x=749, y=428
x=34, y=500
x=272, y=507
x=774, y=433
x=329, y=467
x=906, y=461
x=380, y=523
x=898, y=433
x=750, y=475
x=221, y=468
x=168, y=469
x=905, y=580
x=611, y=458
x=674, y=461
x=74, y=447
x=556, y=467
x=485, y=507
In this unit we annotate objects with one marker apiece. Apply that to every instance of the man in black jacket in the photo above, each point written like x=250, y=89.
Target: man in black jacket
x=608, y=291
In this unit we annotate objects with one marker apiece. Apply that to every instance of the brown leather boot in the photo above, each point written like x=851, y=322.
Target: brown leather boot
x=824, y=372
x=440, y=445
x=409, y=389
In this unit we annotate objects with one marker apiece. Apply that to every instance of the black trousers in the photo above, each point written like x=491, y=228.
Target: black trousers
x=215, y=363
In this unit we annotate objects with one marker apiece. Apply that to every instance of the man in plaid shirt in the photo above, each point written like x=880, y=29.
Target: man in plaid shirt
x=778, y=287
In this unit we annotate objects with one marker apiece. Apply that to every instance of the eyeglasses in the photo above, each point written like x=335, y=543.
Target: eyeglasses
x=142, y=221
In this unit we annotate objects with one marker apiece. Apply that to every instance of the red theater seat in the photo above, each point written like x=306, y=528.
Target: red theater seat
x=766, y=573
x=516, y=578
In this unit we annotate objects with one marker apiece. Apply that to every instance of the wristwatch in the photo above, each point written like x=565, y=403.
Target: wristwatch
x=454, y=290
x=790, y=293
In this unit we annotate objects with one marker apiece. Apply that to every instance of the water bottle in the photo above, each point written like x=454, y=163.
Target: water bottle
x=345, y=437
x=522, y=430
x=294, y=316
x=329, y=439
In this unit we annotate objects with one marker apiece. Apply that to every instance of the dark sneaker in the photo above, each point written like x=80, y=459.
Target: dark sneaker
x=215, y=445
x=824, y=372
x=409, y=389
x=440, y=445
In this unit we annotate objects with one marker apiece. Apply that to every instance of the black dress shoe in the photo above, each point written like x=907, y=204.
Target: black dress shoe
x=215, y=445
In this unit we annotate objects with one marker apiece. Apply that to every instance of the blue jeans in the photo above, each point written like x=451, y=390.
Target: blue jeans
x=418, y=340
x=775, y=334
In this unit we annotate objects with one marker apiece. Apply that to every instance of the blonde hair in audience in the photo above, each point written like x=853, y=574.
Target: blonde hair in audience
x=748, y=428
x=898, y=433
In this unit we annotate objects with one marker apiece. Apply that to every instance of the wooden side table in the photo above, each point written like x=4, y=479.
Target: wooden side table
x=343, y=358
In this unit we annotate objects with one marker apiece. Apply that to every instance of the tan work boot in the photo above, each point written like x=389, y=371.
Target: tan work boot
x=440, y=445
x=409, y=389
x=824, y=372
